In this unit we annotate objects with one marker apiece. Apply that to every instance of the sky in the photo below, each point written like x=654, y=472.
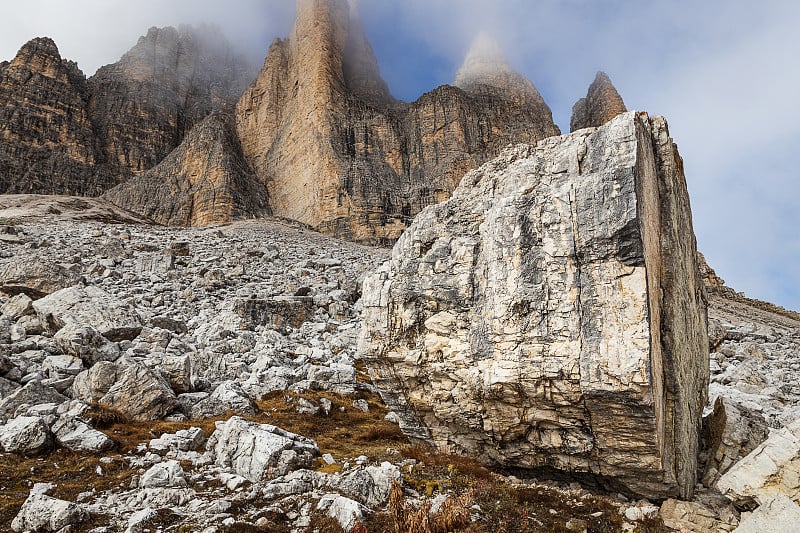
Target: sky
x=725, y=74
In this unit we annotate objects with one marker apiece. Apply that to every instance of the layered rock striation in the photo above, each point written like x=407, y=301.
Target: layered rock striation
x=338, y=152
x=602, y=103
x=64, y=134
x=551, y=313
x=204, y=181
x=47, y=144
x=144, y=105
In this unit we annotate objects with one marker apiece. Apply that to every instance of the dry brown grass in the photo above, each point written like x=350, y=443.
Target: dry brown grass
x=345, y=433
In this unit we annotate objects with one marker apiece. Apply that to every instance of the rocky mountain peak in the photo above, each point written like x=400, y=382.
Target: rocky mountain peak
x=602, y=103
x=203, y=181
x=143, y=105
x=41, y=56
x=48, y=143
x=484, y=62
x=360, y=66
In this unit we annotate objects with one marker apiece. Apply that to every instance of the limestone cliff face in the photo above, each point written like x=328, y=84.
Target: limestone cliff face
x=602, y=103
x=47, y=144
x=528, y=324
x=143, y=105
x=339, y=153
x=204, y=181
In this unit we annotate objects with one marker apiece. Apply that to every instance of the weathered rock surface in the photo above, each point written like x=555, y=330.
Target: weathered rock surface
x=602, y=103
x=337, y=152
x=76, y=435
x=776, y=513
x=64, y=134
x=42, y=513
x=731, y=432
x=48, y=144
x=89, y=306
x=524, y=323
x=166, y=474
x=772, y=468
x=143, y=105
x=202, y=182
x=255, y=451
x=132, y=389
x=27, y=435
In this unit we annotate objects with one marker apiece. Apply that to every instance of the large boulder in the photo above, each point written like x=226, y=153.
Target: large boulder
x=259, y=451
x=129, y=388
x=43, y=513
x=771, y=468
x=551, y=313
x=89, y=306
x=27, y=435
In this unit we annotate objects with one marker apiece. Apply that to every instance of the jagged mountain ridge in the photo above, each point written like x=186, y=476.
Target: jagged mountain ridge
x=64, y=134
x=361, y=166
x=202, y=182
x=318, y=127
x=48, y=144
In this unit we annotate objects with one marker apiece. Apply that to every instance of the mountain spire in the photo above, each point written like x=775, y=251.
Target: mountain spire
x=602, y=103
x=485, y=63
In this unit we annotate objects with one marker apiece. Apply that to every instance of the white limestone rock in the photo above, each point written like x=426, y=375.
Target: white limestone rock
x=771, y=469
x=259, y=451
x=128, y=387
x=42, y=513
x=164, y=474
x=26, y=435
x=86, y=343
x=777, y=513
x=227, y=397
x=347, y=512
x=78, y=436
x=89, y=306
x=551, y=313
x=17, y=306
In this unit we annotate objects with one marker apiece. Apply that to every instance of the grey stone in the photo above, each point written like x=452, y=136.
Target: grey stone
x=17, y=306
x=518, y=321
x=86, y=343
x=347, y=512
x=165, y=474
x=32, y=393
x=42, y=513
x=777, y=513
x=134, y=390
x=26, y=435
x=78, y=436
x=732, y=431
x=227, y=397
x=771, y=468
x=254, y=451
x=89, y=306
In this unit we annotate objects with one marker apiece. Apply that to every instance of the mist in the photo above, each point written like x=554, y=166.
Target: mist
x=724, y=73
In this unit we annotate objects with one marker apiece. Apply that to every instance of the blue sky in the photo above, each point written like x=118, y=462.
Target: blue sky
x=725, y=73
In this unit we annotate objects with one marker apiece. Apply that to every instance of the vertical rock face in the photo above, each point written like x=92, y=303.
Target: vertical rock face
x=143, y=105
x=46, y=140
x=602, y=103
x=204, y=181
x=551, y=313
x=339, y=153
